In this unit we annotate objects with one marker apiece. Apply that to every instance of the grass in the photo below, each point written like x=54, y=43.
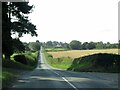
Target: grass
x=55, y=49
x=12, y=69
x=63, y=63
x=81, y=53
x=9, y=75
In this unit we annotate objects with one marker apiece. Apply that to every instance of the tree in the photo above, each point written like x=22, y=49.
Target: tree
x=7, y=43
x=55, y=43
x=49, y=44
x=100, y=45
x=85, y=45
x=34, y=46
x=66, y=46
x=15, y=20
x=107, y=45
x=18, y=46
x=76, y=45
x=91, y=45
x=26, y=46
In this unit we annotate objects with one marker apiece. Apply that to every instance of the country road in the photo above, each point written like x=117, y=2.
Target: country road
x=45, y=76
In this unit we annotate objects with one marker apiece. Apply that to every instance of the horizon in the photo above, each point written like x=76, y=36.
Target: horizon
x=72, y=40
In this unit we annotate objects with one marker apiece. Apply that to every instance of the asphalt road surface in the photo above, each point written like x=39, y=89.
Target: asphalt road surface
x=44, y=76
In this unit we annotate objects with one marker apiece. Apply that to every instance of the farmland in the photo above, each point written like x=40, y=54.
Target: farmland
x=81, y=60
x=81, y=53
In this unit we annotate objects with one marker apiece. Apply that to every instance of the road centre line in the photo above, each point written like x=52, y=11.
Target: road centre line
x=66, y=80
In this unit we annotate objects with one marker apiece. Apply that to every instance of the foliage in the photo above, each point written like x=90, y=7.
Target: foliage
x=26, y=46
x=34, y=46
x=18, y=46
x=12, y=69
x=21, y=58
x=15, y=20
x=15, y=65
x=91, y=45
x=74, y=44
x=49, y=44
x=79, y=46
x=27, y=58
x=96, y=62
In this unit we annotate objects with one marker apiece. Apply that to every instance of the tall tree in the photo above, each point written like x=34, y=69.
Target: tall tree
x=15, y=20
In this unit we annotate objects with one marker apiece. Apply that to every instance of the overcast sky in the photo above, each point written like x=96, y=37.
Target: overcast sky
x=66, y=20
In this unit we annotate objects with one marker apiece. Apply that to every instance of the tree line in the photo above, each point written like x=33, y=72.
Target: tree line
x=77, y=45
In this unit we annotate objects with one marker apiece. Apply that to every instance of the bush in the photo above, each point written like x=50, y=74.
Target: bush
x=49, y=55
x=104, y=60
x=21, y=58
x=15, y=65
x=30, y=60
x=96, y=62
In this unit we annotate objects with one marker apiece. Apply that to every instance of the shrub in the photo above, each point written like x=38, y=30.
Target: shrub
x=96, y=62
x=49, y=55
x=104, y=60
x=30, y=60
x=14, y=64
x=21, y=58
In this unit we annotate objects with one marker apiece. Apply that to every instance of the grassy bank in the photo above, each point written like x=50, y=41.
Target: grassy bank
x=13, y=69
x=63, y=62
x=99, y=62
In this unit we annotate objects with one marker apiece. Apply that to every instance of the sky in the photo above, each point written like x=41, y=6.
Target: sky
x=67, y=20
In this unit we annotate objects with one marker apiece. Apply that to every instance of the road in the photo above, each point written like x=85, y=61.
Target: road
x=44, y=76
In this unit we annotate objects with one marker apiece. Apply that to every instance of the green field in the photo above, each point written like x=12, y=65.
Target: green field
x=55, y=49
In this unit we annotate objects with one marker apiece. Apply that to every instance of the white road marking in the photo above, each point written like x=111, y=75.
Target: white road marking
x=62, y=77
x=69, y=83
x=66, y=80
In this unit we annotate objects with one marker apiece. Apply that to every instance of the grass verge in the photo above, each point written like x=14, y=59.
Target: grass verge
x=13, y=69
x=63, y=63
